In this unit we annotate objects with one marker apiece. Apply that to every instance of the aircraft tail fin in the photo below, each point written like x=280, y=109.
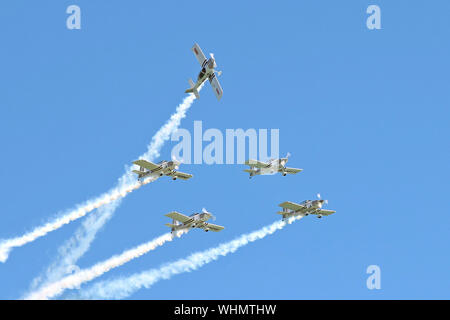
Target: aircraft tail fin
x=139, y=173
x=193, y=89
x=173, y=225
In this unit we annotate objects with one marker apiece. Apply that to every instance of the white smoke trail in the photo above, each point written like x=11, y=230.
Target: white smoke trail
x=73, y=249
x=80, y=211
x=124, y=287
x=79, y=244
x=127, y=183
x=82, y=276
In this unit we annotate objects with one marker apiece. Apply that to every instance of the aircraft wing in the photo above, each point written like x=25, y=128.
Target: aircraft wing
x=178, y=216
x=199, y=54
x=182, y=175
x=292, y=170
x=292, y=206
x=146, y=164
x=325, y=212
x=213, y=227
x=215, y=85
x=257, y=164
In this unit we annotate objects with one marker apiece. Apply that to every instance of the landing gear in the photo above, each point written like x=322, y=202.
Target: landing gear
x=319, y=217
x=160, y=174
x=174, y=178
x=284, y=174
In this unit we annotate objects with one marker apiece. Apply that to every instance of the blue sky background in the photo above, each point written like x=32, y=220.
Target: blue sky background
x=365, y=113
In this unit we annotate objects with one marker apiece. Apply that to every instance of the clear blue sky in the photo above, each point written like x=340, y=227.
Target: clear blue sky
x=365, y=113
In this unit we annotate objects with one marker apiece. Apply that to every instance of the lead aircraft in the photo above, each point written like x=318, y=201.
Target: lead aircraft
x=207, y=72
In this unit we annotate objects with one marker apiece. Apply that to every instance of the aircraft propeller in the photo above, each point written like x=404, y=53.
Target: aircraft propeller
x=284, y=160
x=174, y=158
x=219, y=73
x=319, y=197
x=213, y=217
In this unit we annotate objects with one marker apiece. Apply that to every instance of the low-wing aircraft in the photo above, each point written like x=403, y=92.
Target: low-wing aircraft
x=168, y=168
x=196, y=220
x=270, y=167
x=207, y=72
x=291, y=209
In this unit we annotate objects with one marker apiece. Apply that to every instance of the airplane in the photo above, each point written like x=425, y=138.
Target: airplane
x=195, y=220
x=207, y=72
x=168, y=168
x=291, y=209
x=270, y=167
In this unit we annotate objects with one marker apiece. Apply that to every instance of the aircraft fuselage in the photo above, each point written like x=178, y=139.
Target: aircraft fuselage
x=206, y=71
x=312, y=207
x=275, y=165
x=166, y=168
x=197, y=220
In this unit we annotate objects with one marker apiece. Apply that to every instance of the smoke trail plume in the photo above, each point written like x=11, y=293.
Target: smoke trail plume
x=82, y=276
x=124, y=287
x=77, y=245
x=119, y=192
x=74, y=248
x=127, y=183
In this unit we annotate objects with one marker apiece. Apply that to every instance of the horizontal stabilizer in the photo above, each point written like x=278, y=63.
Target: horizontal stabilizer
x=281, y=212
x=171, y=225
x=193, y=89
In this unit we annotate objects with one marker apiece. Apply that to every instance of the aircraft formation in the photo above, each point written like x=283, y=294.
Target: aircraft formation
x=272, y=166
